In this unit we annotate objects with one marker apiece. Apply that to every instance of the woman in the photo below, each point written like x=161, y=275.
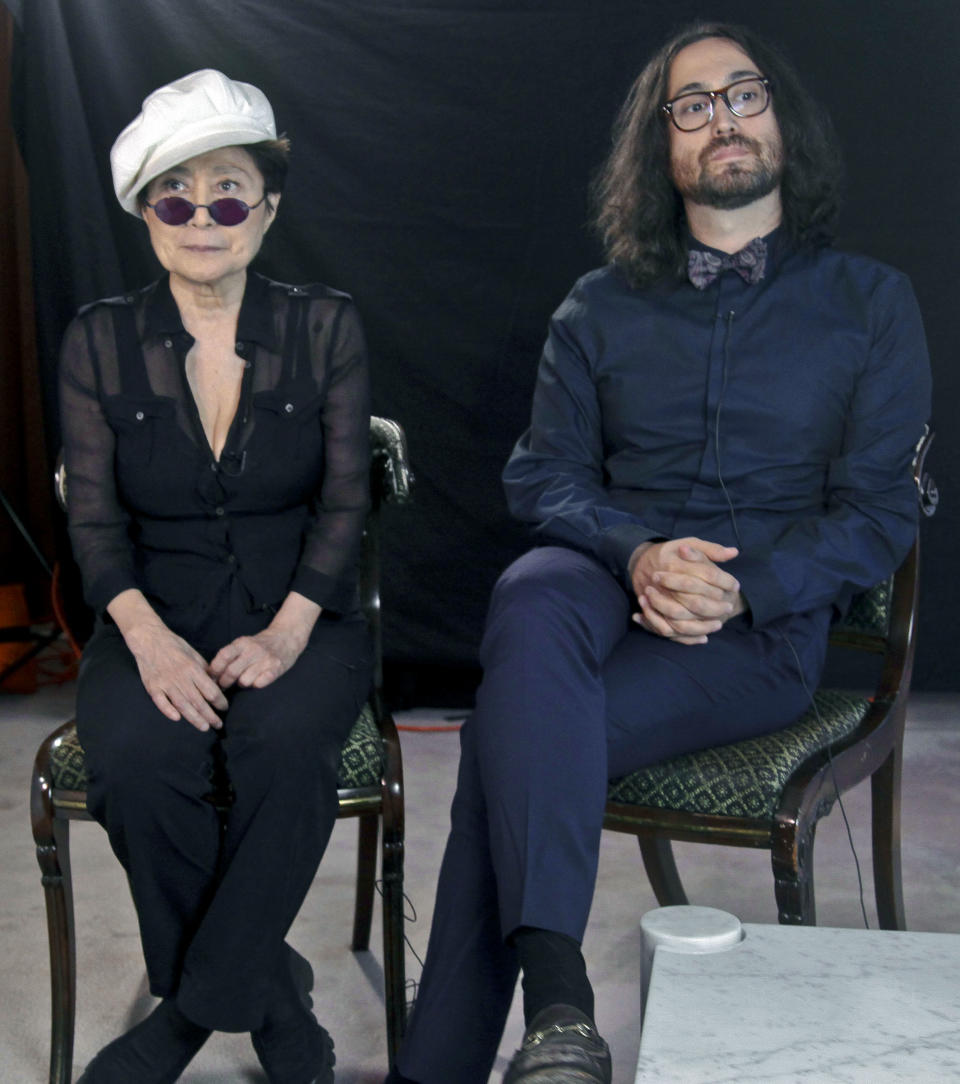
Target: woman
x=216, y=439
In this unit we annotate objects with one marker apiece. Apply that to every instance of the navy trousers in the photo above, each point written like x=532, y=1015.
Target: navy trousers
x=213, y=913
x=573, y=694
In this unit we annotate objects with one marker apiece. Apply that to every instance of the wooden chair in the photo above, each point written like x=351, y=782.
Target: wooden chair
x=770, y=792
x=370, y=789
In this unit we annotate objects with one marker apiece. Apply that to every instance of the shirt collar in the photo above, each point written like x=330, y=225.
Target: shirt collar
x=255, y=322
x=776, y=241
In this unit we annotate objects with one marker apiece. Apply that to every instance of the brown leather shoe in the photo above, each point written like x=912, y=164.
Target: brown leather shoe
x=561, y=1046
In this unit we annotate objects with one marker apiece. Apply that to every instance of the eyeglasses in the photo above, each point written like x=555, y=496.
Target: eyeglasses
x=744, y=98
x=175, y=210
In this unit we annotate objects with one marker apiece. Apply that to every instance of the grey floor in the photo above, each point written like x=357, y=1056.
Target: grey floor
x=111, y=992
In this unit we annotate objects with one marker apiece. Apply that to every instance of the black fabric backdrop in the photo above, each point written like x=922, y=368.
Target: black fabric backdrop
x=442, y=155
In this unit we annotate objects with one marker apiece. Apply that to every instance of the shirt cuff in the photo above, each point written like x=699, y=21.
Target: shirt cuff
x=107, y=586
x=617, y=544
x=762, y=590
x=338, y=595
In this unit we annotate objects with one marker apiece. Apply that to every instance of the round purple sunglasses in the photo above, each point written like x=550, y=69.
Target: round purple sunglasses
x=175, y=210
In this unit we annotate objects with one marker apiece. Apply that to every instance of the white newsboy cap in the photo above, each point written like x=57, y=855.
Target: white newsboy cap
x=200, y=112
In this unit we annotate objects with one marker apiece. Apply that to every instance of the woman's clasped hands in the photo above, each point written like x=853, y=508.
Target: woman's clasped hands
x=182, y=684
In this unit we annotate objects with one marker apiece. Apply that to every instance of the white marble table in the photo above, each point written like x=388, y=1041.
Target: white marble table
x=799, y=1003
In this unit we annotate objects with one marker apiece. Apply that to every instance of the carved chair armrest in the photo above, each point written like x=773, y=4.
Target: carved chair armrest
x=391, y=477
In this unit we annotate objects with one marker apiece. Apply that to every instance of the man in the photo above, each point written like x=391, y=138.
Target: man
x=718, y=459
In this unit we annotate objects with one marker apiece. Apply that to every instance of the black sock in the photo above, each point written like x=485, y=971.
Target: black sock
x=301, y=973
x=554, y=972
x=156, y=1051
x=396, y=1077
x=291, y=1046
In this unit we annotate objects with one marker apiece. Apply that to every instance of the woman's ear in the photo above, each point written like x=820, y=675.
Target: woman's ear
x=273, y=202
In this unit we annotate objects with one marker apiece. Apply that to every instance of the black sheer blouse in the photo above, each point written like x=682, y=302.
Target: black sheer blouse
x=283, y=507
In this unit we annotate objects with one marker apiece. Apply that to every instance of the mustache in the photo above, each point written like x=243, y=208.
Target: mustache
x=734, y=140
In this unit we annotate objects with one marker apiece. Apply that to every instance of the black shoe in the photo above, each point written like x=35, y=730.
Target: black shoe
x=561, y=1046
x=284, y=1051
x=156, y=1051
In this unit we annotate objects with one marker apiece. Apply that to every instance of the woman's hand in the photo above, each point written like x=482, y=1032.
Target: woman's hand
x=173, y=673
x=684, y=595
x=255, y=661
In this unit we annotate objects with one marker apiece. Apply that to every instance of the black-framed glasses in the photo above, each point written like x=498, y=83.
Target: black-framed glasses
x=744, y=98
x=229, y=211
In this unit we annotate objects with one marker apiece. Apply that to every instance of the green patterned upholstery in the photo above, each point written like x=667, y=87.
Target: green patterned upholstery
x=68, y=765
x=361, y=761
x=744, y=779
x=869, y=613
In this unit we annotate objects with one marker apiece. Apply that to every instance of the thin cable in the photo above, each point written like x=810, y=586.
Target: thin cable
x=17, y=522
x=451, y=725
x=786, y=639
x=833, y=775
x=410, y=984
x=716, y=428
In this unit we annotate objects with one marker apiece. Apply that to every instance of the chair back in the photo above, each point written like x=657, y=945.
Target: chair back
x=883, y=619
x=391, y=482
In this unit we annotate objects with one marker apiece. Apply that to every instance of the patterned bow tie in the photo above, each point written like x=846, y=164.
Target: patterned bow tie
x=749, y=263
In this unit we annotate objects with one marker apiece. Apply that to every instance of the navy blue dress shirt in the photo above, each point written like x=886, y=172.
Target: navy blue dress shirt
x=802, y=395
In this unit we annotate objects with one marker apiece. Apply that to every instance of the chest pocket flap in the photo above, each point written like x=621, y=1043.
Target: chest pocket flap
x=136, y=422
x=292, y=416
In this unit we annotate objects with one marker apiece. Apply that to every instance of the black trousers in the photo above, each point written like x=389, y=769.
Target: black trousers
x=573, y=694
x=213, y=911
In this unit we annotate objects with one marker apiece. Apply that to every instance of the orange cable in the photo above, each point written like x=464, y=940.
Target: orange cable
x=451, y=727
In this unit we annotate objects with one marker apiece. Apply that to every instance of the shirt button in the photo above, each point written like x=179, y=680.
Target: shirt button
x=288, y=407
x=220, y=510
x=213, y=466
x=231, y=559
x=239, y=348
x=139, y=415
x=168, y=343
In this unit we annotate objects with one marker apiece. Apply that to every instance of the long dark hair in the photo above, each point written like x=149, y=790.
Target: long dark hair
x=639, y=211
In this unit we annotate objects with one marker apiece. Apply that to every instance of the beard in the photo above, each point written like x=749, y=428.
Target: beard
x=738, y=183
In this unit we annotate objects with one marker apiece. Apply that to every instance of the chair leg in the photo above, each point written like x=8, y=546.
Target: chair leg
x=394, y=969
x=53, y=855
x=366, y=878
x=792, y=858
x=661, y=868
x=887, y=881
